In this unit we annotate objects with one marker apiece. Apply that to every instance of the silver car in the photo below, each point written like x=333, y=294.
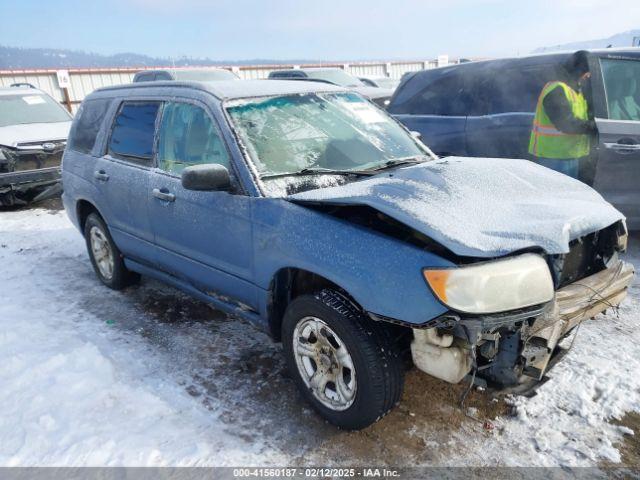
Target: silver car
x=33, y=134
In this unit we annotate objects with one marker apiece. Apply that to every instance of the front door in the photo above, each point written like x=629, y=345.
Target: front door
x=618, y=167
x=202, y=238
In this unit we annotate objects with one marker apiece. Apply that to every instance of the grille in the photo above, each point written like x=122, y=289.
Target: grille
x=59, y=143
x=587, y=256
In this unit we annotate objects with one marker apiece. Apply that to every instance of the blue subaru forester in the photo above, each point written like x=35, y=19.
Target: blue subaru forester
x=307, y=210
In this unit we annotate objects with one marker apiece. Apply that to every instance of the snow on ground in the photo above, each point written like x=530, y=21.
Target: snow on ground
x=150, y=377
x=73, y=393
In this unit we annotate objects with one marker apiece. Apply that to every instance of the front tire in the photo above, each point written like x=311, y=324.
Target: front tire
x=105, y=257
x=346, y=366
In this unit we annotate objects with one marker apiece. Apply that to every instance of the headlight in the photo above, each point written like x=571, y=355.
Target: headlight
x=495, y=286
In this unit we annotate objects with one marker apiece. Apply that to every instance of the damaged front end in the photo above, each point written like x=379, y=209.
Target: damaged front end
x=514, y=350
x=30, y=172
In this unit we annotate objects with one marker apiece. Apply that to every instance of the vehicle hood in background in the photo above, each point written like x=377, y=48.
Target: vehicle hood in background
x=374, y=92
x=480, y=207
x=11, y=135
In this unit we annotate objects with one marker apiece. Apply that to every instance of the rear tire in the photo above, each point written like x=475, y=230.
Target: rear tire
x=107, y=261
x=346, y=366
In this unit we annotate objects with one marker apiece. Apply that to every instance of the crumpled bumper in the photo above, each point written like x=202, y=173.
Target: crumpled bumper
x=518, y=348
x=572, y=305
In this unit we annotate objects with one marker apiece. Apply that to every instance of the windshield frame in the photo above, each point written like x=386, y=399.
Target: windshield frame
x=245, y=151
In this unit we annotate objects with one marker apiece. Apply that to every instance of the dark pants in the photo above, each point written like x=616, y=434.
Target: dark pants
x=583, y=168
x=568, y=166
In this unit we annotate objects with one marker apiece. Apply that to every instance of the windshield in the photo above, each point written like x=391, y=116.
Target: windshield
x=336, y=131
x=337, y=77
x=30, y=108
x=204, y=75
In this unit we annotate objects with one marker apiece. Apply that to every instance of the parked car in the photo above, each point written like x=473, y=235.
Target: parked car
x=305, y=209
x=335, y=76
x=486, y=109
x=203, y=74
x=380, y=82
x=33, y=134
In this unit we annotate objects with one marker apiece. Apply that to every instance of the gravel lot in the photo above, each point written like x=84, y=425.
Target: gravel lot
x=150, y=376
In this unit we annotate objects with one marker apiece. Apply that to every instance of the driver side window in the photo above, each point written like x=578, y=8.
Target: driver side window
x=621, y=87
x=188, y=137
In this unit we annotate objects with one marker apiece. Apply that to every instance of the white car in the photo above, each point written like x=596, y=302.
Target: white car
x=33, y=135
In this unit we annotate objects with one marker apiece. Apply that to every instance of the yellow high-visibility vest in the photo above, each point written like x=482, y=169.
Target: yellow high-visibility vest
x=546, y=140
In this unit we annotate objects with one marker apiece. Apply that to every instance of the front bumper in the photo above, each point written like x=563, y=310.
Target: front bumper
x=512, y=349
x=19, y=188
x=574, y=304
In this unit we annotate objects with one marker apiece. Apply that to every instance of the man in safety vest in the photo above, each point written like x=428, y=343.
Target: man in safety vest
x=562, y=131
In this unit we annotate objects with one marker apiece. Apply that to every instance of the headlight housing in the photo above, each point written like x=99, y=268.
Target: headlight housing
x=495, y=286
x=623, y=237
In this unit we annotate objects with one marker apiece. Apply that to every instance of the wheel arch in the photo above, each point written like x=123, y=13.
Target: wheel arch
x=84, y=208
x=291, y=282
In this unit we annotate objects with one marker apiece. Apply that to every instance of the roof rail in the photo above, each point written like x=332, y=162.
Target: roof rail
x=22, y=84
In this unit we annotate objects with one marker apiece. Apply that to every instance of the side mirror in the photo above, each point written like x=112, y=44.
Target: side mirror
x=206, y=177
x=416, y=135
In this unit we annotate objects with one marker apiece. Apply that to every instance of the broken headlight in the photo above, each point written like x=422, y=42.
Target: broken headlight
x=492, y=287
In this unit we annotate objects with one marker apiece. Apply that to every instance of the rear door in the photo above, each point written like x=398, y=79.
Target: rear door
x=122, y=175
x=618, y=118
x=508, y=96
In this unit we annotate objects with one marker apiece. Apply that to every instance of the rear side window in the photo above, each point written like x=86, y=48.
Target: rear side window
x=133, y=132
x=162, y=76
x=518, y=89
x=446, y=96
x=87, y=124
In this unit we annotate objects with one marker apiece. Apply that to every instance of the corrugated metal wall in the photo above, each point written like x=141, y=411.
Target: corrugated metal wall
x=84, y=81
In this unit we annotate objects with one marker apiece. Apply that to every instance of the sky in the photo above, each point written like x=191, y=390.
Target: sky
x=319, y=29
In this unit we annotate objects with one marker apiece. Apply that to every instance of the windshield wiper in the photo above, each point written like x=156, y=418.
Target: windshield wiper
x=398, y=162
x=319, y=171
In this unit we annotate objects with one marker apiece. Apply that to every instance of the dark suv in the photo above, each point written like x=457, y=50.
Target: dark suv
x=486, y=109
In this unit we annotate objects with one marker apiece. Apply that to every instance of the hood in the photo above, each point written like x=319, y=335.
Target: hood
x=480, y=207
x=374, y=92
x=33, y=132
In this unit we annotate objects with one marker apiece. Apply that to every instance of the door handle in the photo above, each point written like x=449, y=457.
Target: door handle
x=101, y=175
x=163, y=195
x=623, y=147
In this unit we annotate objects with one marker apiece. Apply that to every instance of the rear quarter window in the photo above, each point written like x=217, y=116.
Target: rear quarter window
x=447, y=96
x=88, y=121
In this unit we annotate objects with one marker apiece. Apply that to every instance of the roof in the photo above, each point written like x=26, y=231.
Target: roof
x=232, y=89
x=19, y=91
x=538, y=58
x=307, y=69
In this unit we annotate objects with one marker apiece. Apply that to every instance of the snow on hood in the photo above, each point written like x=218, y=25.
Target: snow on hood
x=481, y=207
x=33, y=132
